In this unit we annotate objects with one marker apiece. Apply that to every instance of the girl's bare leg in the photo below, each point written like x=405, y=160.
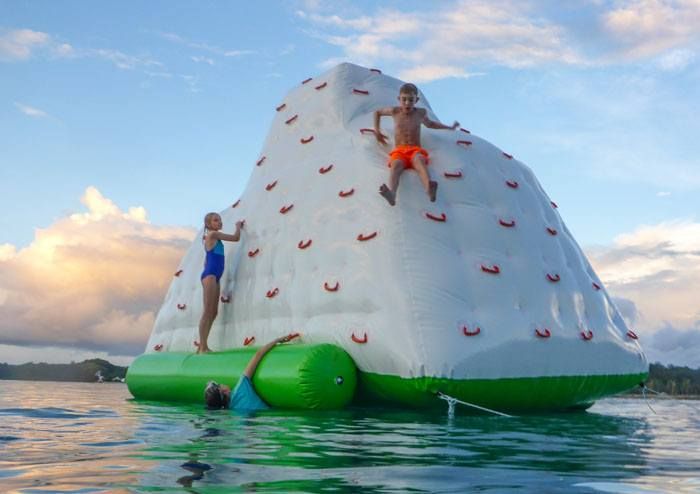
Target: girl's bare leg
x=210, y=289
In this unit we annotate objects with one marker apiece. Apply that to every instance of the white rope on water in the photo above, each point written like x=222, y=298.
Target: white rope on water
x=451, y=401
x=644, y=394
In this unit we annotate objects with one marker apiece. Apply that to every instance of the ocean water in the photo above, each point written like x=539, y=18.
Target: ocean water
x=78, y=437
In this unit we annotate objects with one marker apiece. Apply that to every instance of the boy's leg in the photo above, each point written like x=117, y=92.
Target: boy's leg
x=210, y=290
x=389, y=193
x=420, y=165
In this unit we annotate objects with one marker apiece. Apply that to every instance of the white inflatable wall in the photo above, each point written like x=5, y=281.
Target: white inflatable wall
x=412, y=290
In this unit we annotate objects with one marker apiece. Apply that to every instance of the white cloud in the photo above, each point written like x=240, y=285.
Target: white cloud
x=657, y=268
x=30, y=111
x=19, y=44
x=206, y=60
x=181, y=40
x=676, y=60
x=663, y=193
x=92, y=280
x=124, y=61
x=644, y=28
x=426, y=73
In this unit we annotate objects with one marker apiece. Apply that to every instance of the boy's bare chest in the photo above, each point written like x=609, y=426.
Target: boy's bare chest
x=405, y=122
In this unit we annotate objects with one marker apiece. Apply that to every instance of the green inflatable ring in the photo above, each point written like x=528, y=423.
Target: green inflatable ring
x=299, y=376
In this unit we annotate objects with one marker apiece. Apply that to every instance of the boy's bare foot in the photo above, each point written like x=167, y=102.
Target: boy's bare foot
x=387, y=194
x=433, y=190
x=204, y=350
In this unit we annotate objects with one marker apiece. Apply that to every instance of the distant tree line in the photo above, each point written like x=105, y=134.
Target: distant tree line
x=674, y=380
x=85, y=371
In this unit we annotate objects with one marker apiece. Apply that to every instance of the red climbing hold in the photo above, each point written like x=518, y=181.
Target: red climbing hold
x=325, y=170
x=512, y=184
x=464, y=130
x=270, y=186
x=281, y=107
x=158, y=347
x=272, y=293
x=253, y=253
x=225, y=299
x=291, y=119
x=260, y=161
x=178, y=272
x=321, y=86
x=587, y=335
x=507, y=224
x=543, y=334
x=554, y=204
x=464, y=143
x=363, y=238
x=596, y=286
x=441, y=219
x=509, y=156
x=493, y=270
x=553, y=278
x=358, y=340
x=360, y=91
x=182, y=306
x=329, y=288
x=346, y=193
x=306, y=140
x=248, y=340
x=632, y=334
x=307, y=80
x=304, y=245
x=466, y=331
x=551, y=231
x=457, y=174
x=235, y=204
x=285, y=209
x=377, y=71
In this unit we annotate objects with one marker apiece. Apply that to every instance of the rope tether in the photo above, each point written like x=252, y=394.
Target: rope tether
x=451, y=404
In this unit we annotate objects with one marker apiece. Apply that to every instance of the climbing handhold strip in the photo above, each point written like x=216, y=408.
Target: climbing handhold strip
x=363, y=238
x=291, y=119
x=178, y=272
x=551, y=231
x=466, y=331
x=358, y=340
x=270, y=186
x=441, y=219
x=286, y=209
x=553, y=278
x=512, y=184
x=325, y=170
x=509, y=156
x=457, y=174
x=248, y=340
x=596, y=286
x=321, y=86
x=225, y=299
x=464, y=143
x=507, y=224
x=281, y=107
x=303, y=245
x=329, y=288
x=376, y=71
x=235, y=204
x=272, y=293
x=632, y=334
x=253, y=253
x=543, y=334
x=360, y=91
x=182, y=306
x=260, y=161
x=587, y=335
x=306, y=140
x=307, y=80
x=493, y=270
x=346, y=193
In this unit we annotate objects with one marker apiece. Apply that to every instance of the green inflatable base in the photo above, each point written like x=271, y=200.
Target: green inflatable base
x=320, y=377
x=519, y=395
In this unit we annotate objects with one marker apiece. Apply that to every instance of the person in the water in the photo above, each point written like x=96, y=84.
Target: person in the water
x=213, y=270
x=243, y=397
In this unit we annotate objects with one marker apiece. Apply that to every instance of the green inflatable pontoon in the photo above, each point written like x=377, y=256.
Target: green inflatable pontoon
x=319, y=377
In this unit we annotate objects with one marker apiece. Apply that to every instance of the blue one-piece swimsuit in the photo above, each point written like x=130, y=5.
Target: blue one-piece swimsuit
x=214, y=262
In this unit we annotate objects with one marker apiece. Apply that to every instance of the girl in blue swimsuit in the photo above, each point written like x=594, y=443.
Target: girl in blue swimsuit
x=213, y=270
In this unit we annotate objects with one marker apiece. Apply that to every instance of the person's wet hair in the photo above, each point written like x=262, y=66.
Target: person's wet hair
x=213, y=396
x=409, y=88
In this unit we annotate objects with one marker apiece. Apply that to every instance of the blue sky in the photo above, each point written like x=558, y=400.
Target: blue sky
x=164, y=106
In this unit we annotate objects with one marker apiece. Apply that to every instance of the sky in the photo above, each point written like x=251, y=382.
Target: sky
x=121, y=124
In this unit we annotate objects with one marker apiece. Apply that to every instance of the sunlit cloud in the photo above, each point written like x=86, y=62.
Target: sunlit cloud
x=644, y=28
x=657, y=269
x=23, y=44
x=92, y=280
x=30, y=111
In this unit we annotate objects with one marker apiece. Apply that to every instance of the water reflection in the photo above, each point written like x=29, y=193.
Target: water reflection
x=82, y=438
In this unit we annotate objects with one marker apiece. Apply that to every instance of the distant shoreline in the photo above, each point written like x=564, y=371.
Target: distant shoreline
x=93, y=370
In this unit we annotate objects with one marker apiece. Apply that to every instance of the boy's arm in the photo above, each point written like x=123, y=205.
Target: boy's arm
x=227, y=236
x=253, y=364
x=431, y=124
x=382, y=112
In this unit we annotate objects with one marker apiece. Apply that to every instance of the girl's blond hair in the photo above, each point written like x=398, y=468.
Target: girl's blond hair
x=207, y=220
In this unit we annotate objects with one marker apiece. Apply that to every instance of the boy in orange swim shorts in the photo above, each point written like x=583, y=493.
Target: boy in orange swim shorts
x=407, y=154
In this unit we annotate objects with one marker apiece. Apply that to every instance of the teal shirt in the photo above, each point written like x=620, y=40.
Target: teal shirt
x=244, y=397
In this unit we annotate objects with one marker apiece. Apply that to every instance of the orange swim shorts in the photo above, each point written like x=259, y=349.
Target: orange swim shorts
x=406, y=154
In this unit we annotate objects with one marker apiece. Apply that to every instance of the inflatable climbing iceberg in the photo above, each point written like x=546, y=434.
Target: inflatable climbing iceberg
x=483, y=295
